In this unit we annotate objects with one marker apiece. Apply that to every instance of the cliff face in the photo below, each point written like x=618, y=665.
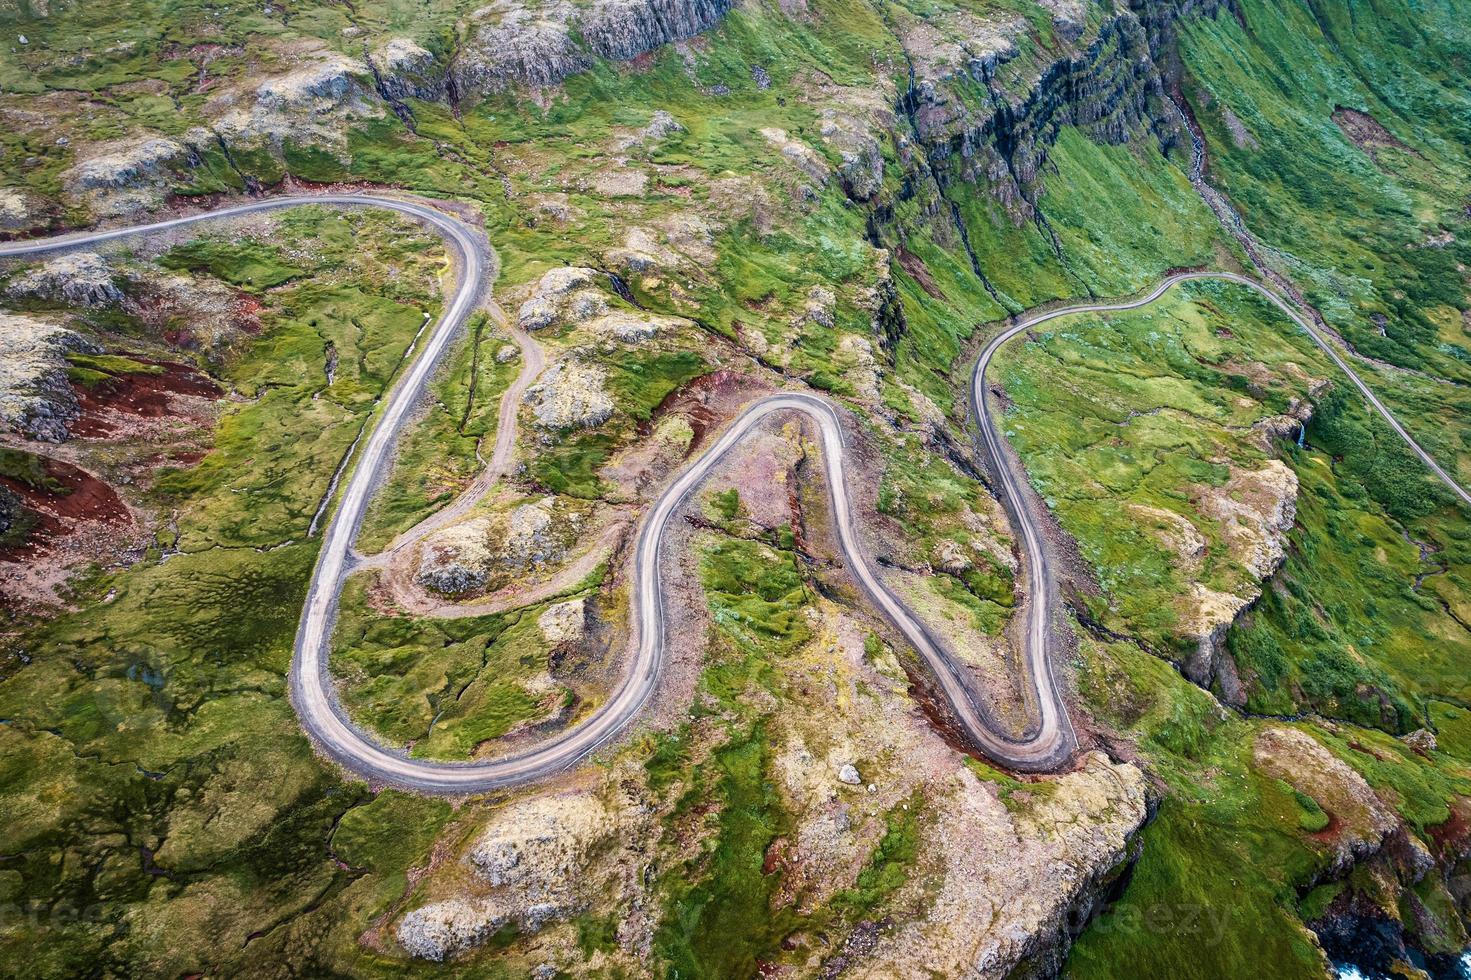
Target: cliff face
x=996, y=121
x=542, y=45
x=624, y=29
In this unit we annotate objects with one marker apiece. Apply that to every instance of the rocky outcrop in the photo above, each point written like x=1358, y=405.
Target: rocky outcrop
x=1363, y=819
x=407, y=70
x=564, y=623
x=1050, y=859
x=624, y=29
x=1254, y=509
x=570, y=395
x=36, y=399
x=477, y=553
x=125, y=176
x=443, y=928
x=862, y=167
x=1109, y=89
x=562, y=295
x=78, y=278
x=543, y=44
x=532, y=865
x=517, y=44
x=313, y=104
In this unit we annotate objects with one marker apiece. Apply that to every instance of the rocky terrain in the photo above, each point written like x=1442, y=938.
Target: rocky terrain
x=36, y=397
x=694, y=203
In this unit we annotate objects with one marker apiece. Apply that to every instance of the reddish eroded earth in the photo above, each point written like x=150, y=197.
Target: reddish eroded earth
x=78, y=518
x=178, y=390
x=158, y=418
x=707, y=401
x=73, y=496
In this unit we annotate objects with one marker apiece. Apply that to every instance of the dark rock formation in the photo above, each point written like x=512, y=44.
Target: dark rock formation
x=624, y=29
x=1110, y=90
x=540, y=46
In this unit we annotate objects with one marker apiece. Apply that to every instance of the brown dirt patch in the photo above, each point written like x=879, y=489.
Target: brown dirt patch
x=141, y=395
x=74, y=497
x=1366, y=132
x=918, y=271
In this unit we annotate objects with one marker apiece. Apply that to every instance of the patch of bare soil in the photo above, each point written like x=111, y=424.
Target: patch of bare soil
x=175, y=391
x=918, y=271
x=78, y=518
x=707, y=401
x=1366, y=132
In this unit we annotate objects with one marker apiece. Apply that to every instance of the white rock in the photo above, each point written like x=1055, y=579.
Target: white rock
x=849, y=774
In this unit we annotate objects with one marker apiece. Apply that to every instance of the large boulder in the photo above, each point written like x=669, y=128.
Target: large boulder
x=570, y=395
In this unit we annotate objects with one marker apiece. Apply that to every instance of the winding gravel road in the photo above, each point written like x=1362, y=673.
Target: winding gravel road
x=1049, y=741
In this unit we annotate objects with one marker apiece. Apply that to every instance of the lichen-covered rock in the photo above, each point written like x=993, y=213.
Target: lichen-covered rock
x=79, y=278
x=465, y=557
x=312, y=104
x=634, y=328
x=1069, y=17
x=1422, y=740
x=960, y=44
x=408, y=70
x=457, y=560
x=441, y=929
x=125, y=176
x=860, y=366
x=819, y=306
x=570, y=395
x=562, y=295
x=565, y=622
x=36, y=399
x=539, y=846
x=520, y=44
x=533, y=859
x=537, y=44
x=530, y=540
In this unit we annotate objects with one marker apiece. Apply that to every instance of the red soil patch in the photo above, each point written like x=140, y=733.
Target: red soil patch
x=701, y=400
x=141, y=395
x=918, y=271
x=1453, y=838
x=77, y=496
x=247, y=312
